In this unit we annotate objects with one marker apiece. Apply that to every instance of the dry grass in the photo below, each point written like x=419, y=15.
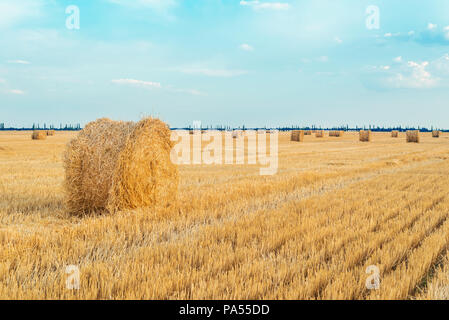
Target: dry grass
x=412, y=136
x=335, y=207
x=119, y=165
x=365, y=135
x=435, y=285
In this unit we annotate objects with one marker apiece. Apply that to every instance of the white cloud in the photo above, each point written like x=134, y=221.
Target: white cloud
x=338, y=40
x=441, y=66
x=10, y=91
x=409, y=74
x=157, y=8
x=398, y=59
x=392, y=35
x=6, y=89
x=431, y=26
x=190, y=91
x=323, y=59
x=325, y=73
x=18, y=61
x=446, y=32
x=413, y=75
x=13, y=12
x=430, y=35
x=246, y=47
x=225, y=73
x=157, y=85
x=138, y=83
x=265, y=5
x=15, y=91
x=160, y=6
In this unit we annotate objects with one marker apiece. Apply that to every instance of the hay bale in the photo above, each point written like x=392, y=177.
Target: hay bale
x=365, y=135
x=435, y=134
x=116, y=165
x=50, y=132
x=319, y=133
x=394, y=134
x=196, y=131
x=307, y=133
x=297, y=135
x=412, y=136
x=39, y=135
x=335, y=133
x=236, y=134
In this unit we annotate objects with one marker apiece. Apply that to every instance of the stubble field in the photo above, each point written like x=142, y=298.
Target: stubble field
x=335, y=207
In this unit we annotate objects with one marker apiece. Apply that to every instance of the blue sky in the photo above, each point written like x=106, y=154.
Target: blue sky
x=226, y=62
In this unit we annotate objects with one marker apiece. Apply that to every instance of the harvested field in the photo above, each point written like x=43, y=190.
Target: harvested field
x=335, y=207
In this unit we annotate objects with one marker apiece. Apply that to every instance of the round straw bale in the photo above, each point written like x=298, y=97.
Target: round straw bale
x=412, y=136
x=365, y=135
x=39, y=135
x=116, y=165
